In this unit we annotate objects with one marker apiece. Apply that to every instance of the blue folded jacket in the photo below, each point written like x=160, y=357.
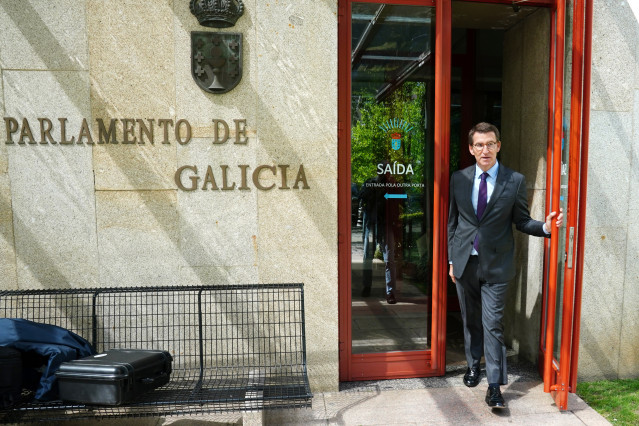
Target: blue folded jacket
x=54, y=344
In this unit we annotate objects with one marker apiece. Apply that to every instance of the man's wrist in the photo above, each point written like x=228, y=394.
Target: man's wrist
x=546, y=231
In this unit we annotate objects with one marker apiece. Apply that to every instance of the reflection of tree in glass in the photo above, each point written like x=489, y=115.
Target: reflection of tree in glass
x=371, y=145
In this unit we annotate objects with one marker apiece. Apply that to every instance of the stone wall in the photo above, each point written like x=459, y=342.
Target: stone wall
x=524, y=141
x=609, y=344
x=104, y=214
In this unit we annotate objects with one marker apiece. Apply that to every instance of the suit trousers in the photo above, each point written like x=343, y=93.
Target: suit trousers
x=482, y=311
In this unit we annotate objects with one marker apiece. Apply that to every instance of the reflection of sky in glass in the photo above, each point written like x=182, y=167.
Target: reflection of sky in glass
x=400, y=36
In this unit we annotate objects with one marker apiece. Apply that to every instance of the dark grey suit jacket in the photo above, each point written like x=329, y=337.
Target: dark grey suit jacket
x=508, y=205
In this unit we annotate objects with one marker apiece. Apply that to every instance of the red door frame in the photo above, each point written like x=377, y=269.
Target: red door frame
x=432, y=362
x=555, y=121
x=560, y=376
x=412, y=363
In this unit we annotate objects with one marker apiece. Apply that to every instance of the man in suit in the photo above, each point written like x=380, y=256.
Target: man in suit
x=485, y=200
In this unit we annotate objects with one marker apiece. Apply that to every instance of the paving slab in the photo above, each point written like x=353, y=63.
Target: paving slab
x=455, y=405
x=440, y=401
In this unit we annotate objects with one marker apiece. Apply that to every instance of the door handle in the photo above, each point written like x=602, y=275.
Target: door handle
x=571, y=240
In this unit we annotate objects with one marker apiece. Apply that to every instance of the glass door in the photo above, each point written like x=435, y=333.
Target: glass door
x=387, y=295
x=566, y=189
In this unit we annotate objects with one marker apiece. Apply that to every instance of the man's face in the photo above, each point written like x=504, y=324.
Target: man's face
x=485, y=157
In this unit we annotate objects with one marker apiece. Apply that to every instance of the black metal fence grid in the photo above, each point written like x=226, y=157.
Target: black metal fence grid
x=237, y=347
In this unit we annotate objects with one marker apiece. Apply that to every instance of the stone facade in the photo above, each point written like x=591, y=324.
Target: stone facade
x=97, y=215
x=609, y=344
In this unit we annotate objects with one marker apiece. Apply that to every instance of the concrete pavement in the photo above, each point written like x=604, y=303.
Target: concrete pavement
x=426, y=401
x=455, y=405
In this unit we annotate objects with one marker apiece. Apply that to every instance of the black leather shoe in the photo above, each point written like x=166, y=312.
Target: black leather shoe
x=472, y=377
x=494, y=398
x=390, y=298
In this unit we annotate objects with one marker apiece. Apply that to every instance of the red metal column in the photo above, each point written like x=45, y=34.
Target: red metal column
x=343, y=183
x=562, y=386
x=583, y=185
x=549, y=168
x=555, y=191
x=443, y=28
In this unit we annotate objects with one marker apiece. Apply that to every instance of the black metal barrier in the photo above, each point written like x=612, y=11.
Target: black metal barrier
x=234, y=348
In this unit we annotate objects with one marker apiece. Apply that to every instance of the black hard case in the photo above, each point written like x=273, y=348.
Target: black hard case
x=114, y=377
x=10, y=376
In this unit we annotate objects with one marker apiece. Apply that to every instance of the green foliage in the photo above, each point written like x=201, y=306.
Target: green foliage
x=370, y=144
x=616, y=400
x=409, y=103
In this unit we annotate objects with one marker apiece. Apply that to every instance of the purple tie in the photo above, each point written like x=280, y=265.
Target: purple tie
x=482, y=200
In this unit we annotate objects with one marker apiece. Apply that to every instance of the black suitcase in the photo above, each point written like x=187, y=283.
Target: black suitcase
x=10, y=376
x=114, y=377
